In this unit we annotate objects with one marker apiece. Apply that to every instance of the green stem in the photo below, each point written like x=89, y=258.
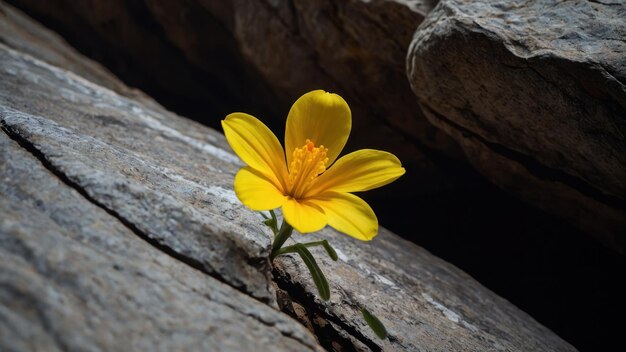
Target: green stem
x=275, y=222
x=292, y=249
x=283, y=234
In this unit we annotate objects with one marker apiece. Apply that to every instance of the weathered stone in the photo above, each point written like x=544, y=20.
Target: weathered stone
x=535, y=93
x=75, y=278
x=147, y=183
x=107, y=145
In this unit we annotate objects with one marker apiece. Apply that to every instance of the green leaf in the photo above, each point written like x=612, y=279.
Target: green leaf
x=316, y=273
x=330, y=250
x=274, y=219
x=374, y=323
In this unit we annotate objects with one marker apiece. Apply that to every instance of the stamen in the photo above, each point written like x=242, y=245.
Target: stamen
x=307, y=163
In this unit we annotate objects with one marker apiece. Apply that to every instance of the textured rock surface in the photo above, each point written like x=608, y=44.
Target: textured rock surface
x=152, y=194
x=535, y=92
x=167, y=191
x=73, y=277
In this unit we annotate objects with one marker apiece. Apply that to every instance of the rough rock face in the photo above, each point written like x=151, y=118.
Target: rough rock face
x=120, y=230
x=75, y=277
x=535, y=93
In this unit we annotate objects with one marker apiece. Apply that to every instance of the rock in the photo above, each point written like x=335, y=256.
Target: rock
x=535, y=93
x=120, y=230
x=175, y=190
x=74, y=277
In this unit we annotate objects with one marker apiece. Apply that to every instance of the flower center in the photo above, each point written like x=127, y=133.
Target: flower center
x=307, y=163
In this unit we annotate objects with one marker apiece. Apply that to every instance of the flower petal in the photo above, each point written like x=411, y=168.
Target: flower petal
x=322, y=117
x=257, y=146
x=257, y=192
x=358, y=171
x=349, y=214
x=304, y=216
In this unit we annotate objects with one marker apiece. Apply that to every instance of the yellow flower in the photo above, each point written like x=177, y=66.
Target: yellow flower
x=312, y=191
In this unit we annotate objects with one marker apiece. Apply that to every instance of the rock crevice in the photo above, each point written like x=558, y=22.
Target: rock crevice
x=330, y=330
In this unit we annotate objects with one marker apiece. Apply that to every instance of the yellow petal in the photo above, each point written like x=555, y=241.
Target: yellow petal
x=304, y=216
x=349, y=214
x=358, y=171
x=257, y=192
x=257, y=146
x=322, y=117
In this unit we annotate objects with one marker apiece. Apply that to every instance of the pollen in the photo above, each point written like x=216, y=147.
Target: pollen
x=307, y=163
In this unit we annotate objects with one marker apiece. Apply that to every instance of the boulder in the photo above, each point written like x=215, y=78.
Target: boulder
x=74, y=276
x=535, y=93
x=120, y=230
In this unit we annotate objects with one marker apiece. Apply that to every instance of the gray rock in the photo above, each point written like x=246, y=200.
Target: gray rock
x=535, y=93
x=120, y=230
x=75, y=278
x=106, y=144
